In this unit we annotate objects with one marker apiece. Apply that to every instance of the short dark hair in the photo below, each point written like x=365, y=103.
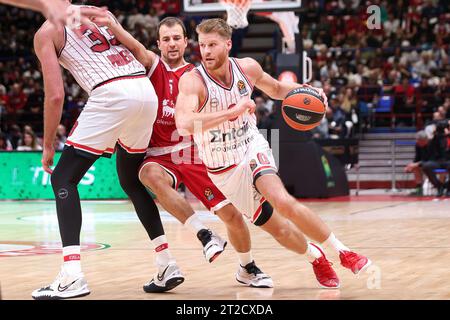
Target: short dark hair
x=170, y=22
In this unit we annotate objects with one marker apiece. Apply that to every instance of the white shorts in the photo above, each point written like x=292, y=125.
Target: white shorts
x=122, y=111
x=237, y=182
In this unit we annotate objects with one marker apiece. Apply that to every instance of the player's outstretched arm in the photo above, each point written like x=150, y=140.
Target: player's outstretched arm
x=272, y=87
x=53, y=87
x=58, y=12
x=188, y=116
x=144, y=56
x=37, y=5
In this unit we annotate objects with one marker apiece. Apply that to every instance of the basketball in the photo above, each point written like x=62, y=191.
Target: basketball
x=303, y=109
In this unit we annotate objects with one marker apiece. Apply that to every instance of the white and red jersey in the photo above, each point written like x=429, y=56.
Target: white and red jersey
x=96, y=57
x=226, y=144
x=165, y=138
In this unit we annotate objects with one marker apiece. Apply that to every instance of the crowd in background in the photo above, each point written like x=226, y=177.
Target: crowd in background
x=403, y=67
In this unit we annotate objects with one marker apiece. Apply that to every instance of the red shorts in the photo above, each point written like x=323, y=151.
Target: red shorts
x=195, y=178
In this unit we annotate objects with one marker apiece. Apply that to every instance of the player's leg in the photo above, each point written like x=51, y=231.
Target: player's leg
x=163, y=182
x=67, y=174
x=127, y=169
x=271, y=187
x=139, y=108
x=290, y=237
x=237, y=185
x=248, y=272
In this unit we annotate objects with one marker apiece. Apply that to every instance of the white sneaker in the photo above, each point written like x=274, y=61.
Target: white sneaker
x=166, y=279
x=213, y=245
x=65, y=286
x=252, y=276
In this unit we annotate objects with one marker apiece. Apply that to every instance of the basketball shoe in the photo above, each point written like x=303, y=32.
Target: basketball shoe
x=65, y=286
x=167, y=278
x=252, y=276
x=353, y=261
x=213, y=245
x=324, y=272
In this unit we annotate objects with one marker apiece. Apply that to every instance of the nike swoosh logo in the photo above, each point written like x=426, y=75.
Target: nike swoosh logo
x=61, y=289
x=161, y=277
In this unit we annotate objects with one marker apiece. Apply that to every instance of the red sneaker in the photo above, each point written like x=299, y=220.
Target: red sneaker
x=325, y=274
x=353, y=261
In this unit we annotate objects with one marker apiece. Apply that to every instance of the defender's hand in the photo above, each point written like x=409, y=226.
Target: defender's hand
x=47, y=158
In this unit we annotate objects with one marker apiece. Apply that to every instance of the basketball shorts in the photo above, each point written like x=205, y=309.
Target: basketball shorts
x=122, y=111
x=237, y=182
x=195, y=178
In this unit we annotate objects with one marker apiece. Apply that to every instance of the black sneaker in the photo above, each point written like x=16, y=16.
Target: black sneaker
x=252, y=276
x=213, y=245
x=166, y=279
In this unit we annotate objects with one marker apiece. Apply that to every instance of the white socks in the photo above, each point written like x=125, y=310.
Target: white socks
x=335, y=244
x=245, y=258
x=163, y=256
x=312, y=253
x=72, y=263
x=194, y=223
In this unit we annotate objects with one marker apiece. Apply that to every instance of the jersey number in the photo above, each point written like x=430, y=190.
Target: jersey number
x=101, y=44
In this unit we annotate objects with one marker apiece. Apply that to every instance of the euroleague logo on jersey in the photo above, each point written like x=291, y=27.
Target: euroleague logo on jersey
x=209, y=194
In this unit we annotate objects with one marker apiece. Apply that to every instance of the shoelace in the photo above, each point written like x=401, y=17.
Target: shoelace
x=252, y=268
x=324, y=268
x=204, y=236
x=350, y=258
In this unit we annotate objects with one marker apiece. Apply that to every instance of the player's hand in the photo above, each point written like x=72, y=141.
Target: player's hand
x=103, y=21
x=321, y=93
x=47, y=158
x=243, y=105
x=61, y=13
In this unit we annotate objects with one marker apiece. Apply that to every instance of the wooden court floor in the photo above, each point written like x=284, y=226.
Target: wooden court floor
x=407, y=239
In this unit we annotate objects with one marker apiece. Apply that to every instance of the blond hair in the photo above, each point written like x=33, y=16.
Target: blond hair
x=216, y=25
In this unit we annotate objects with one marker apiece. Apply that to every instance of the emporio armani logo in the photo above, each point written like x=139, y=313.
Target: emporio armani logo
x=161, y=276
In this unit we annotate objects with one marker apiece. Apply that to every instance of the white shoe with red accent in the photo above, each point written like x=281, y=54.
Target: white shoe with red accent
x=213, y=245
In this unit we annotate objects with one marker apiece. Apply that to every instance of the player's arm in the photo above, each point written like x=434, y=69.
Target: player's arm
x=44, y=47
x=37, y=5
x=57, y=11
x=191, y=93
x=273, y=88
x=144, y=56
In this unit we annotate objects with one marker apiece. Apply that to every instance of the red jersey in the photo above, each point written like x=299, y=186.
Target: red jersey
x=165, y=80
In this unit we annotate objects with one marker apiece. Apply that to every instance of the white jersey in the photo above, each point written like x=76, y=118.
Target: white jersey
x=96, y=57
x=226, y=144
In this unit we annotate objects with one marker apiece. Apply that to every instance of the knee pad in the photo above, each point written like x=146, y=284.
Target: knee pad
x=266, y=213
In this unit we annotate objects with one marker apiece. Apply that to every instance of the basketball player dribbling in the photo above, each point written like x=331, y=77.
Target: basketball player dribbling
x=119, y=113
x=162, y=173
x=214, y=105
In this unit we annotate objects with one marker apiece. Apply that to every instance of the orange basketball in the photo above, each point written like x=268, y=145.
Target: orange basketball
x=303, y=108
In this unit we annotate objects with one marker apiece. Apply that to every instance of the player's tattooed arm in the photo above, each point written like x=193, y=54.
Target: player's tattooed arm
x=191, y=97
x=144, y=56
